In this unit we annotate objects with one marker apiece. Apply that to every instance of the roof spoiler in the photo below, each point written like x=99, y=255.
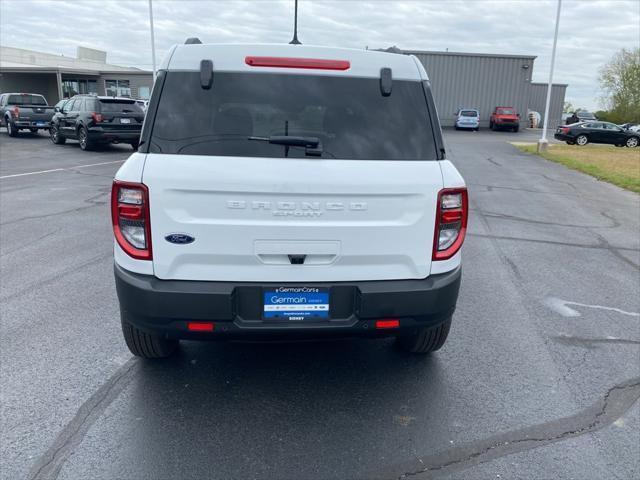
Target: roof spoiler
x=193, y=41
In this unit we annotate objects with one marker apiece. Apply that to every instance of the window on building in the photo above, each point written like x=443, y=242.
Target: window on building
x=117, y=88
x=70, y=88
x=144, y=93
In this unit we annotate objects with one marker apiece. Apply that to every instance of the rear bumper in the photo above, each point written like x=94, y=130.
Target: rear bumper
x=506, y=123
x=165, y=306
x=31, y=123
x=563, y=137
x=468, y=125
x=99, y=134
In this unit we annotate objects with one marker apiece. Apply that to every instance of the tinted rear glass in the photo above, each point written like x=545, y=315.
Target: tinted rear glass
x=469, y=113
x=506, y=111
x=348, y=115
x=26, y=100
x=114, y=106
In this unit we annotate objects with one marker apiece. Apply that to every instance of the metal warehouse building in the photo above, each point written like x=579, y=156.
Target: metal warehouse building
x=484, y=81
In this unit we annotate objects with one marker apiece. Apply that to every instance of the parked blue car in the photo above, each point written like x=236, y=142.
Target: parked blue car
x=467, y=118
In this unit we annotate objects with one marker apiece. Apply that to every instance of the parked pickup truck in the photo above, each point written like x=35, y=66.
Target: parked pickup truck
x=505, y=118
x=21, y=111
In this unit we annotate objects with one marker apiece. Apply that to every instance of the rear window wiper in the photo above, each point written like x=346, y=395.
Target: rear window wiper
x=312, y=145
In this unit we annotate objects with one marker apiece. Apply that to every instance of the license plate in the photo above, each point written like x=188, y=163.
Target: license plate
x=296, y=304
x=40, y=124
x=125, y=120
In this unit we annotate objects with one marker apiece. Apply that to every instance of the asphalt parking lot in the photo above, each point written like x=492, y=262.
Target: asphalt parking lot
x=539, y=379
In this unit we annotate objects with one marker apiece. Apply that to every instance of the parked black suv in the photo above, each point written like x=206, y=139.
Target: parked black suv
x=92, y=120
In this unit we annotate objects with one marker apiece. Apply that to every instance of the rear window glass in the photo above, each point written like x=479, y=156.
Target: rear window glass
x=506, y=111
x=111, y=106
x=349, y=116
x=469, y=113
x=26, y=100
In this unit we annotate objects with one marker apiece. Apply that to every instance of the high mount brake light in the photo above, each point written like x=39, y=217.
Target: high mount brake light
x=131, y=219
x=452, y=212
x=290, y=62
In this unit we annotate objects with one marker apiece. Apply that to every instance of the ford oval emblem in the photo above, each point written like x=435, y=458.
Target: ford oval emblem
x=179, y=238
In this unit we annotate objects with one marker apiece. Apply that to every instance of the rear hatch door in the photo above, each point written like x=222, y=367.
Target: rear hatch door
x=364, y=209
x=120, y=114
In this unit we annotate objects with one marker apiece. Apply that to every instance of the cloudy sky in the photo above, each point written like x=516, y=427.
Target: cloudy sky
x=591, y=31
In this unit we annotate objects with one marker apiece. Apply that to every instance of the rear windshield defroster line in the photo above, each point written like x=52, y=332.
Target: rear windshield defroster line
x=348, y=115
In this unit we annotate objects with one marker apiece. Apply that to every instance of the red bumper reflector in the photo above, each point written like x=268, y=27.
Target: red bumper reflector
x=290, y=62
x=387, y=323
x=200, y=326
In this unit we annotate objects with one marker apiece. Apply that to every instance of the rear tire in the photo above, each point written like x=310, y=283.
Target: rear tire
x=33, y=130
x=570, y=142
x=582, y=140
x=83, y=138
x=11, y=129
x=516, y=129
x=425, y=340
x=147, y=345
x=492, y=126
x=135, y=144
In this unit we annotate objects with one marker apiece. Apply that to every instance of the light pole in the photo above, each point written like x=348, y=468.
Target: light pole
x=153, y=43
x=543, y=143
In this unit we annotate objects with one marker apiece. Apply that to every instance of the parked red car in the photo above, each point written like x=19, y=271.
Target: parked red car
x=506, y=118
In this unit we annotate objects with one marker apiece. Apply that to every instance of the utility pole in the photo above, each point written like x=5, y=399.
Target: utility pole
x=543, y=143
x=153, y=42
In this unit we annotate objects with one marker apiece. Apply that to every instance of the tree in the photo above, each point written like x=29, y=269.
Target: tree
x=568, y=107
x=620, y=82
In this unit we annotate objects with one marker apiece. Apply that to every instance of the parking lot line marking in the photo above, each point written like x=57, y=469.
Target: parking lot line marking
x=560, y=306
x=60, y=169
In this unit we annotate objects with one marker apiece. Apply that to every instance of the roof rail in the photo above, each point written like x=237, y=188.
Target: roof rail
x=192, y=41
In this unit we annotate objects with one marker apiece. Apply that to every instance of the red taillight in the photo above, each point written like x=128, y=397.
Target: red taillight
x=289, y=62
x=131, y=219
x=15, y=112
x=452, y=212
x=97, y=117
x=200, y=326
x=391, y=323
x=565, y=130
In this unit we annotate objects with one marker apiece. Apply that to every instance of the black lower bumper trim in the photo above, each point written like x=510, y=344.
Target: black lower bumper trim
x=165, y=306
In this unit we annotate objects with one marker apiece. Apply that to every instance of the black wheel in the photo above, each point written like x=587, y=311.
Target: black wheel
x=570, y=142
x=135, y=144
x=632, y=142
x=83, y=138
x=516, y=129
x=33, y=130
x=425, y=340
x=477, y=129
x=146, y=345
x=492, y=126
x=55, y=135
x=582, y=140
x=11, y=129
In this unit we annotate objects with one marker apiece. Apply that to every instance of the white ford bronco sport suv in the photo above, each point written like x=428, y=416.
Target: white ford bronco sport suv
x=286, y=191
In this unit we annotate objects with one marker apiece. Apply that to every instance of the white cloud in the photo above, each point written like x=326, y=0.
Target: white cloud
x=590, y=31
